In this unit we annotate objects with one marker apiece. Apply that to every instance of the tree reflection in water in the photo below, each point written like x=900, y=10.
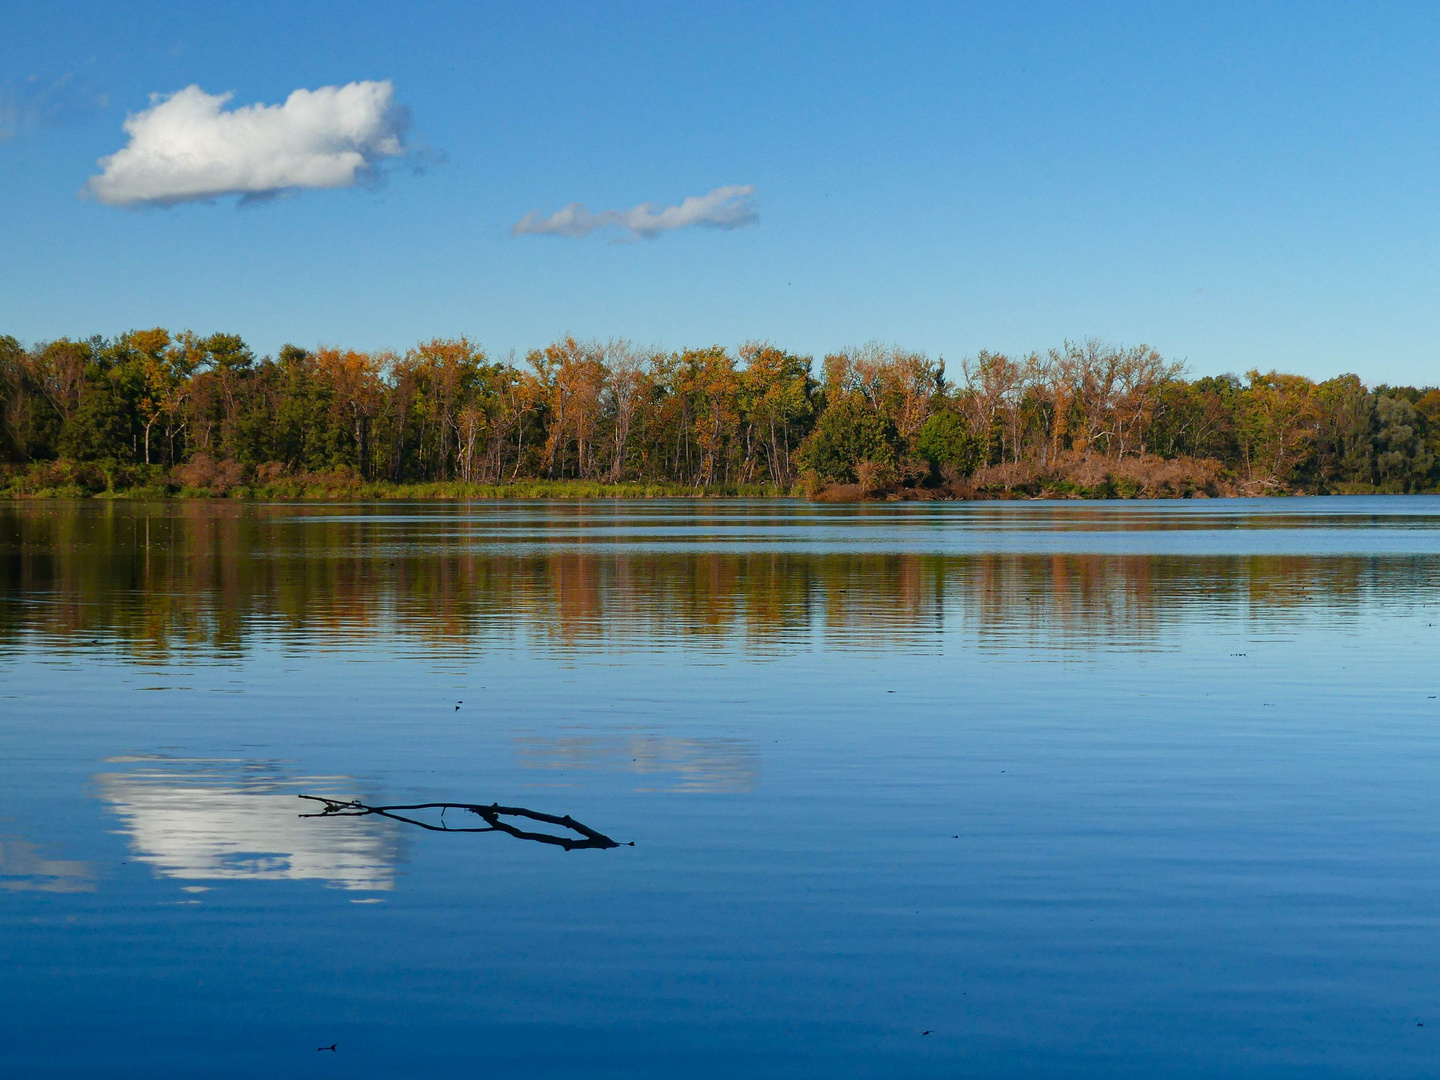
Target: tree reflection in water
x=764, y=579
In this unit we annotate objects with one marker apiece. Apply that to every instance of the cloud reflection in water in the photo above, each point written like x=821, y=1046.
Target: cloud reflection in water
x=24, y=869
x=211, y=820
x=668, y=764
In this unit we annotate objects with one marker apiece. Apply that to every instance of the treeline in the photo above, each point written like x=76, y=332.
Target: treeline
x=182, y=411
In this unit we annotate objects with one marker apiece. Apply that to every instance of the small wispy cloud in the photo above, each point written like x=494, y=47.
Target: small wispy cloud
x=187, y=146
x=724, y=208
x=34, y=102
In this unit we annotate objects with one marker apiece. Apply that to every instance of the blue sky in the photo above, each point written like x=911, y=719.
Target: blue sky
x=1238, y=186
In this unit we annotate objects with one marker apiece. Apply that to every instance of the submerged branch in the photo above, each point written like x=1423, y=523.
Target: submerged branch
x=492, y=815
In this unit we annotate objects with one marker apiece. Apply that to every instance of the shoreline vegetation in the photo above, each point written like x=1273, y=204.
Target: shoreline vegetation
x=153, y=414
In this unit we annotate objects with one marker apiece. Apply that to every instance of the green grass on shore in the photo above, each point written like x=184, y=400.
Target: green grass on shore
x=520, y=489
x=52, y=480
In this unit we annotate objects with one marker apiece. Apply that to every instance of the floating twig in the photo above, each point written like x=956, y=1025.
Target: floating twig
x=492, y=815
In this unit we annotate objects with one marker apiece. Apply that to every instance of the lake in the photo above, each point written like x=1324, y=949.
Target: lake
x=982, y=790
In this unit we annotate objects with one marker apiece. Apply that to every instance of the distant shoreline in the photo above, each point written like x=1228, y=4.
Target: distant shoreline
x=576, y=491
x=155, y=414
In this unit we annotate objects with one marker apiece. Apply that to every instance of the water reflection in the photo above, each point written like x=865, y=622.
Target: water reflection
x=217, y=820
x=762, y=579
x=666, y=764
x=23, y=868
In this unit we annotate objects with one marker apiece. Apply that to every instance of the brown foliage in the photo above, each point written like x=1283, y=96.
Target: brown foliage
x=840, y=493
x=204, y=472
x=1143, y=476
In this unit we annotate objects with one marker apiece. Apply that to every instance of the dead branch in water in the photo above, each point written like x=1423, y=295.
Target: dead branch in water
x=491, y=815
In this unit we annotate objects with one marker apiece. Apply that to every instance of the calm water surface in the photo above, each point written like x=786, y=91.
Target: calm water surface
x=1079, y=790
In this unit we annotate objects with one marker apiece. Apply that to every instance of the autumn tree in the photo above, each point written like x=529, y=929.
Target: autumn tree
x=432, y=386
x=353, y=382
x=161, y=369
x=1277, y=426
x=713, y=385
x=627, y=379
x=994, y=388
x=573, y=376
x=779, y=408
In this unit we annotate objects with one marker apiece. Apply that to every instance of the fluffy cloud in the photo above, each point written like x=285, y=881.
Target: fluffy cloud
x=187, y=146
x=724, y=208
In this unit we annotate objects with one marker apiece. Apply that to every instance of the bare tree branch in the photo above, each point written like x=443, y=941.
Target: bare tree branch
x=491, y=815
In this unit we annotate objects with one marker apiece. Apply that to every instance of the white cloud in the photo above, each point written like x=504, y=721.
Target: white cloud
x=724, y=208
x=186, y=146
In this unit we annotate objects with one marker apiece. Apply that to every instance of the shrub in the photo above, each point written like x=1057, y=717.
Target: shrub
x=873, y=476
x=849, y=432
x=202, y=472
x=946, y=440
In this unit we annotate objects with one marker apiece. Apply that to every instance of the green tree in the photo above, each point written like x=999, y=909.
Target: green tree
x=1345, y=412
x=101, y=427
x=14, y=404
x=849, y=433
x=946, y=440
x=1401, y=457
